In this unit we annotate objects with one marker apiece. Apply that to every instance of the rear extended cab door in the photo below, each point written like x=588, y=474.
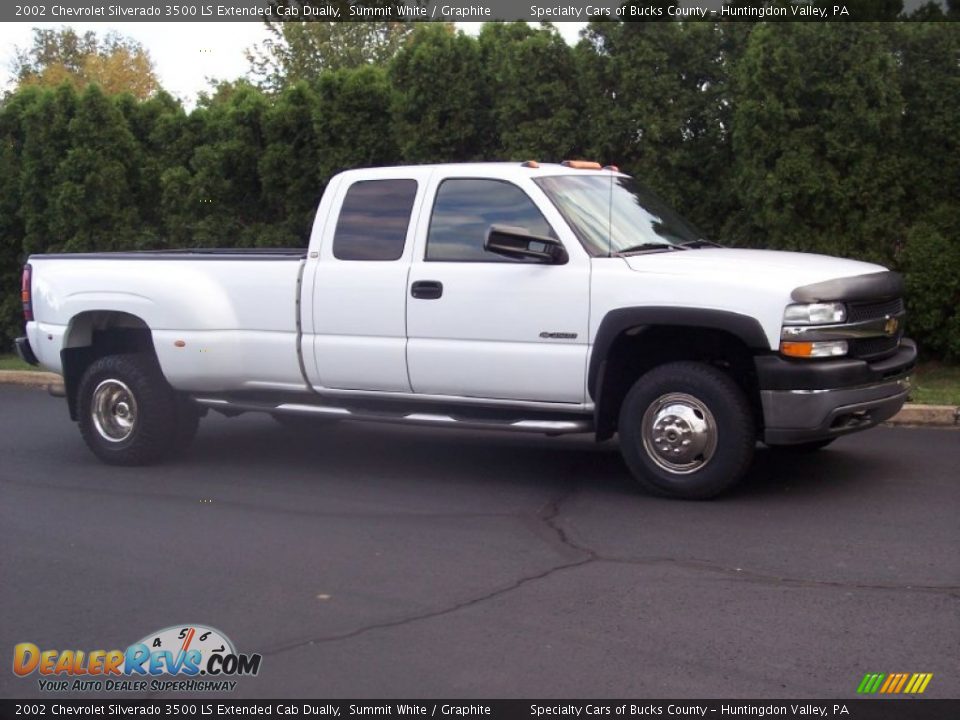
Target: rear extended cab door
x=484, y=326
x=354, y=298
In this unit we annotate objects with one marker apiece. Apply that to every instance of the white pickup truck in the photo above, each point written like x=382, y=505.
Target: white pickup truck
x=553, y=298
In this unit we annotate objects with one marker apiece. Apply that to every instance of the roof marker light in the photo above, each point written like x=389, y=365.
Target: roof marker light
x=581, y=165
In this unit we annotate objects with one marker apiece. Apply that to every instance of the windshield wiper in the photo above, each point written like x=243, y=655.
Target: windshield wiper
x=643, y=247
x=702, y=242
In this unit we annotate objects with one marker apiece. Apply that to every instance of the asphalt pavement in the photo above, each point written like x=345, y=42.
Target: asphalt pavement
x=374, y=561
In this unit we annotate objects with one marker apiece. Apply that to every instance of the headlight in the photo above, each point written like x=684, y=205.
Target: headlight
x=814, y=314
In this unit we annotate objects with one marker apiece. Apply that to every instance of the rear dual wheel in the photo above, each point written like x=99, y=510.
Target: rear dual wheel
x=129, y=414
x=687, y=431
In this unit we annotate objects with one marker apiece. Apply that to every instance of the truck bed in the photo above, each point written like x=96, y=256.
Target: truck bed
x=220, y=318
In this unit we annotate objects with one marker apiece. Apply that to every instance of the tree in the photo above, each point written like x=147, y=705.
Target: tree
x=352, y=121
x=94, y=195
x=11, y=223
x=816, y=129
x=303, y=50
x=289, y=167
x=441, y=99
x=116, y=64
x=657, y=102
x=223, y=205
x=46, y=140
x=536, y=103
x=929, y=56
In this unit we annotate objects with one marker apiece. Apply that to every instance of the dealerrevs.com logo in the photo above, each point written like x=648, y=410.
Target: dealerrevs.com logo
x=199, y=657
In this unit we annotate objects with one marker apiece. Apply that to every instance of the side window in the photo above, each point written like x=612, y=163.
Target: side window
x=464, y=210
x=374, y=219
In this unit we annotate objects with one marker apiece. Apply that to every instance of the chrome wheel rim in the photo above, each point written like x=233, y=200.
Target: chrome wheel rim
x=114, y=411
x=679, y=433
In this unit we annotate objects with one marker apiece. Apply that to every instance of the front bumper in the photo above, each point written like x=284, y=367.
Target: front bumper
x=25, y=352
x=805, y=401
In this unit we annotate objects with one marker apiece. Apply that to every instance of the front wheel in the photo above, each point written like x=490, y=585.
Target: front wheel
x=129, y=414
x=686, y=431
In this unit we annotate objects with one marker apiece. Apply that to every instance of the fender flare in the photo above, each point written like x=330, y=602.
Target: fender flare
x=616, y=322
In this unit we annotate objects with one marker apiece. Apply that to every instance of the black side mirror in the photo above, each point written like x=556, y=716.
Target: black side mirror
x=517, y=243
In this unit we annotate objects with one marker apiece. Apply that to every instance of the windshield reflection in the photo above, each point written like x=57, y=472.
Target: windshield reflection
x=613, y=214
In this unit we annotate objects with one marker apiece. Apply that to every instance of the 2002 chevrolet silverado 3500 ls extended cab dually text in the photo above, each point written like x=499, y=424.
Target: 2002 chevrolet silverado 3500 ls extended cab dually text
x=561, y=298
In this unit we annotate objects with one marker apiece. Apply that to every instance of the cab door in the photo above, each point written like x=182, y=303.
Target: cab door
x=482, y=325
x=360, y=283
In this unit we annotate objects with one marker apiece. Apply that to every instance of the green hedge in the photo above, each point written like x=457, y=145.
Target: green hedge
x=832, y=138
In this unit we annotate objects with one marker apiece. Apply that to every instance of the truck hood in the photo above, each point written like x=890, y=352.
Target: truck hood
x=768, y=268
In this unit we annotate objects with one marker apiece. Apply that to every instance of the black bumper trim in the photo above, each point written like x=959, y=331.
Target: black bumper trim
x=25, y=352
x=778, y=373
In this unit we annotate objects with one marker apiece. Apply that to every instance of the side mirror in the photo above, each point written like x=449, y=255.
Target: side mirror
x=517, y=243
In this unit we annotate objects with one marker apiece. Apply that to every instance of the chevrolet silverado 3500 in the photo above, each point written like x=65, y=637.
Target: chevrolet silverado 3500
x=554, y=298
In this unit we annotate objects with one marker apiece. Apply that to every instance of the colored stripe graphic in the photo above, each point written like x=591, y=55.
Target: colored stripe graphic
x=870, y=683
x=891, y=679
x=894, y=683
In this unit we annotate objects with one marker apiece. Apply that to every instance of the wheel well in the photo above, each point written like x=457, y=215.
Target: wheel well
x=638, y=350
x=92, y=335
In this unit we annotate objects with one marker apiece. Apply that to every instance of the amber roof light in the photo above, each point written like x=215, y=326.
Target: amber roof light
x=582, y=164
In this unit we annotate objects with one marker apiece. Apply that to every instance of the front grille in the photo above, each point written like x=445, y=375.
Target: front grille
x=874, y=348
x=858, y=312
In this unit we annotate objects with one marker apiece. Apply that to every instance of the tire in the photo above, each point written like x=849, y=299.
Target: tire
x=701, y=417
x=129, y=414
x=801, y=448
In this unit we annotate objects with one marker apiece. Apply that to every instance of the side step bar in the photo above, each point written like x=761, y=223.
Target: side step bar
x=539, y=425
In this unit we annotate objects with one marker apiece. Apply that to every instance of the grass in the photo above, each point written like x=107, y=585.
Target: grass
x=12, y=362
x=933, y=384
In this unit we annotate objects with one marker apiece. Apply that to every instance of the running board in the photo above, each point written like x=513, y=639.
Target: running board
x=544, y=425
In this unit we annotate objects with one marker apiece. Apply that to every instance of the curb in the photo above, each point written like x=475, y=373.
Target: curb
x=922, y=415
x=30, y=378
x=927, y=415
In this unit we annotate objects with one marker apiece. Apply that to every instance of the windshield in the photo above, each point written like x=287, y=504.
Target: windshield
x=614, y=214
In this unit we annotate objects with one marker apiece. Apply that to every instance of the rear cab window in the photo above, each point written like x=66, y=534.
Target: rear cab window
x=374, y=219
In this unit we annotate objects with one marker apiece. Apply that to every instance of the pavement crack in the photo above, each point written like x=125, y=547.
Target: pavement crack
x=399, y=622
x=548, y=514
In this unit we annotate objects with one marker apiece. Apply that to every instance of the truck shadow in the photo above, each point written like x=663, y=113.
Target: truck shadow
x=419, y=455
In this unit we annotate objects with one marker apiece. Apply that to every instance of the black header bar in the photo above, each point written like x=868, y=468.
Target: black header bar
x=873, y=709
x=32, y=11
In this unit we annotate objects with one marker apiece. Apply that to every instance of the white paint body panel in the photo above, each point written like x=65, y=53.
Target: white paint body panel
x=482, y=337
x=237, y=318
x=363, y=332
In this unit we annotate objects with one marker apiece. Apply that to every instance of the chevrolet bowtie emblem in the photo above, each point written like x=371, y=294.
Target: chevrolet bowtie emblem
x=891, y=325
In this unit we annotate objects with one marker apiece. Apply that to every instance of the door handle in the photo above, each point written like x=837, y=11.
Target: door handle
x=426, y=289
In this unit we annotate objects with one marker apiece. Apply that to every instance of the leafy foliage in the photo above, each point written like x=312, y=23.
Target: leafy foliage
x=116, y=64
x=833, y=138
x=298, y=51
